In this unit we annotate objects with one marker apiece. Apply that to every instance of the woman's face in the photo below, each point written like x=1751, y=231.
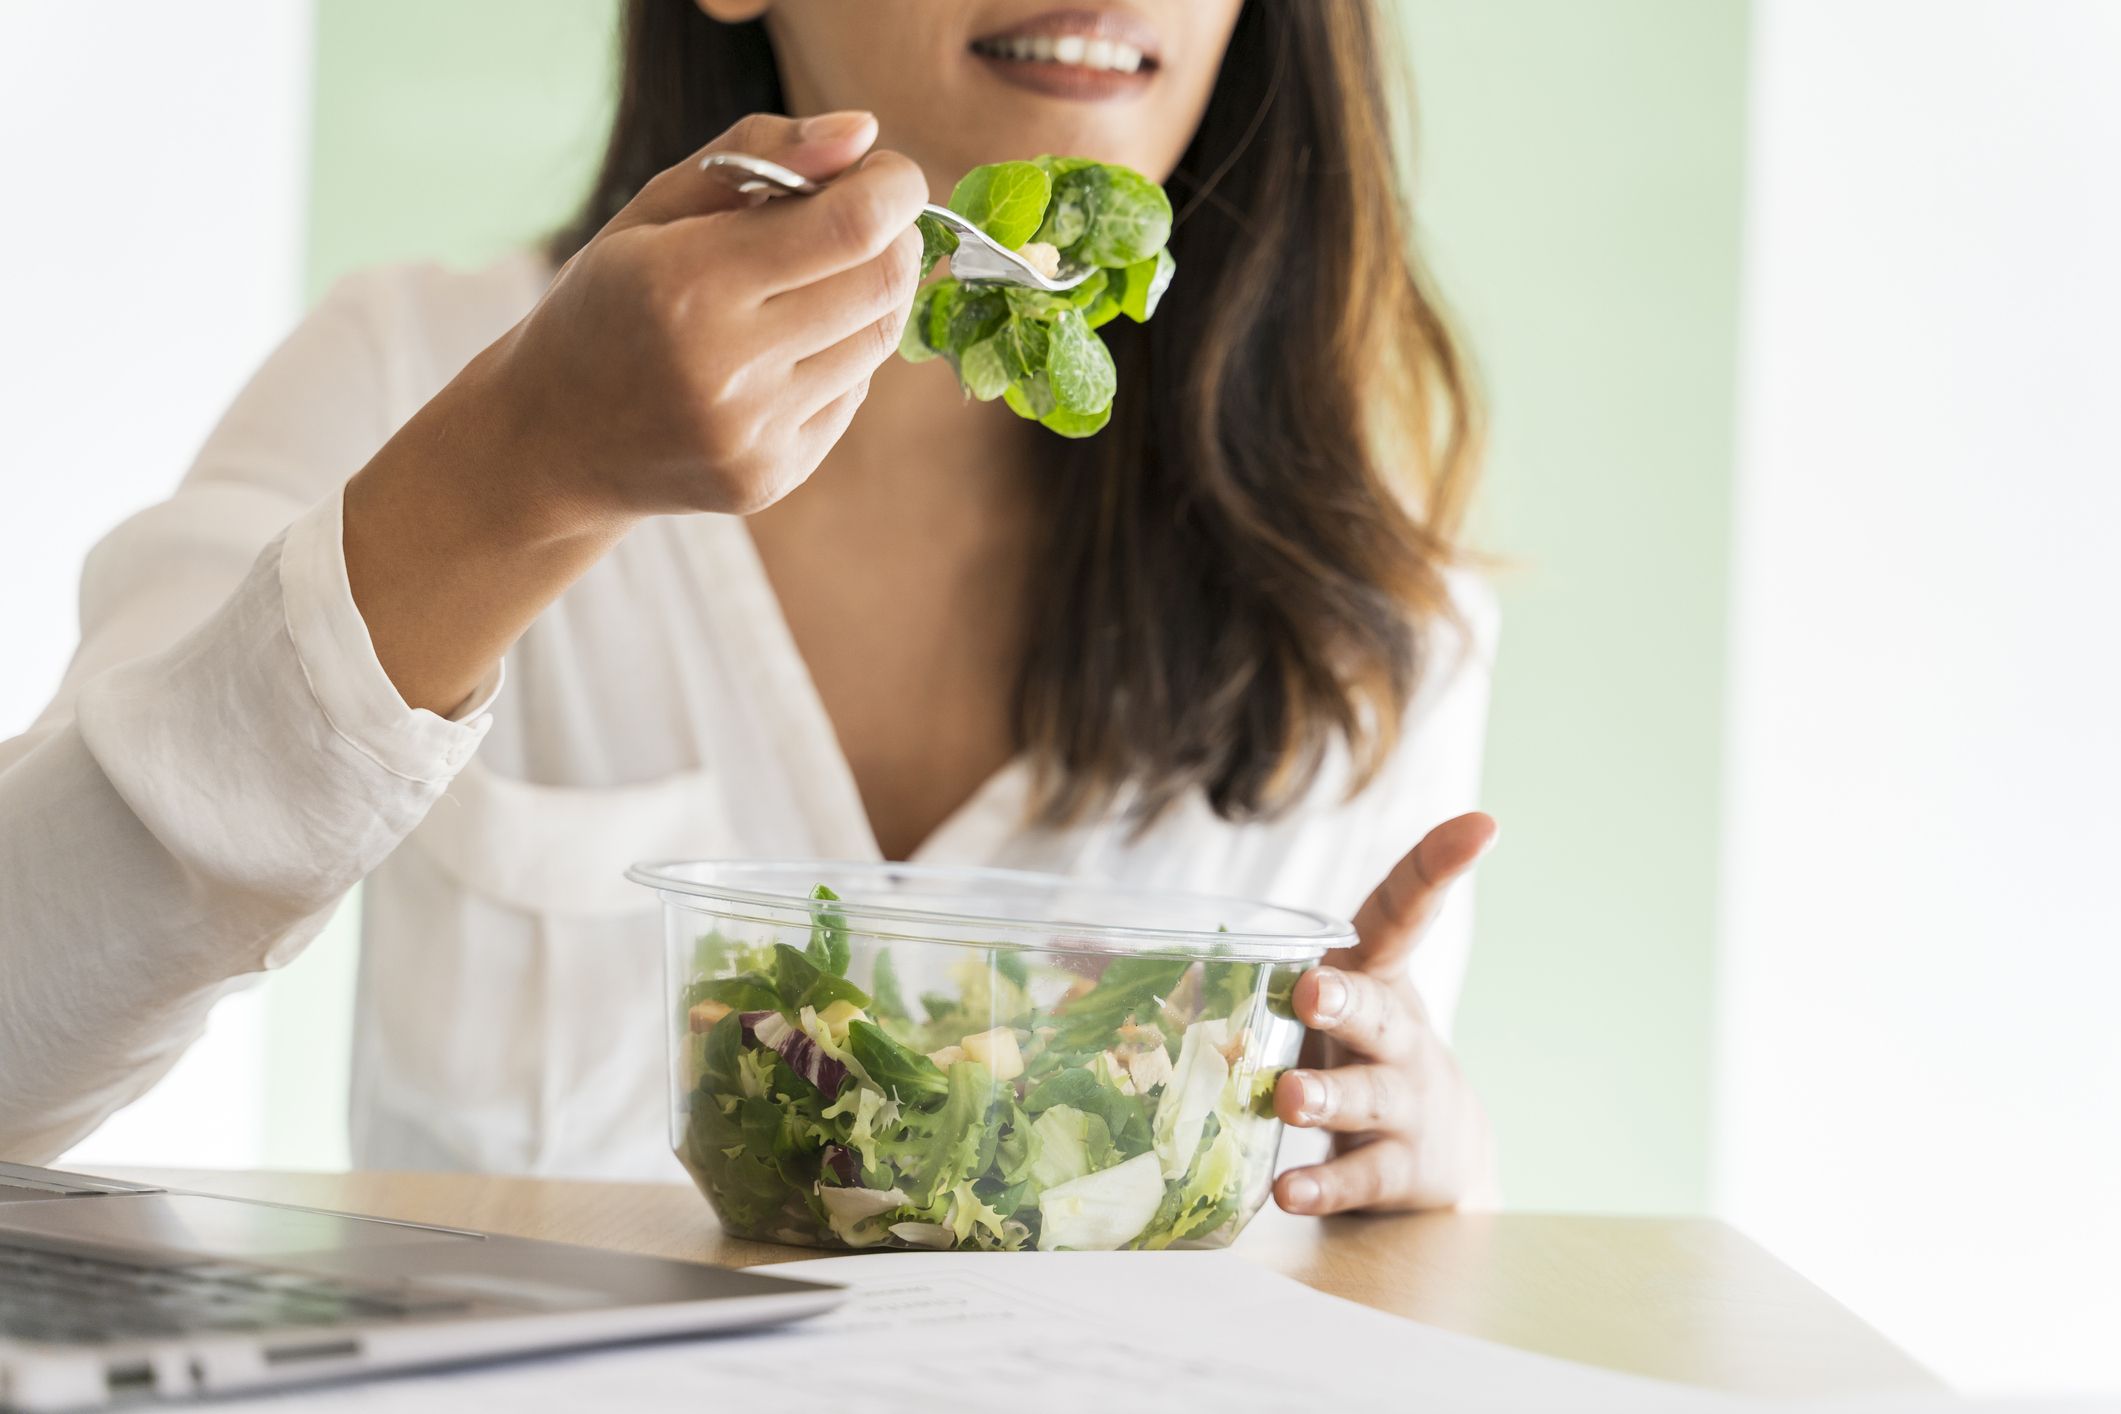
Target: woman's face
x=955, y=83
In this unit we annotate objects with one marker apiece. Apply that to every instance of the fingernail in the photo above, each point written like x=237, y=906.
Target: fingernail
x=1332, y=997
x=1310, y=1096
x=1303, y=1191
x=826, y=127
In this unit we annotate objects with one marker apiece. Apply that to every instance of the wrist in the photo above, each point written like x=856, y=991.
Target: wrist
x=489, y=460
x=455, y=541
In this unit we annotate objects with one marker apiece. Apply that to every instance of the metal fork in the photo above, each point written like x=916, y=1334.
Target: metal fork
x=978, y=257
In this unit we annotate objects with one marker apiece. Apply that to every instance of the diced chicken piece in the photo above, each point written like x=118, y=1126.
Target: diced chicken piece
x=1181, y=1006
x=1137, y=1035
x=947, y=1056
x=837, y=1015
x=704, y=1015
x=1042, y=257
x=997, y=1051
x=1149, y=1068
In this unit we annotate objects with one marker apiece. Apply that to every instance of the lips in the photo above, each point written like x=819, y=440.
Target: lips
x=1080, y=54
x=1105, y=55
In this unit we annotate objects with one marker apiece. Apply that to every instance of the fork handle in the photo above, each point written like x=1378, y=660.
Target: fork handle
x=751, y=175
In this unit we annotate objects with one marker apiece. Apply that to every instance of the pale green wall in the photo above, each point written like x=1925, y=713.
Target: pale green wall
x=1579, y=193
x=452, y=131
x=1580, y=168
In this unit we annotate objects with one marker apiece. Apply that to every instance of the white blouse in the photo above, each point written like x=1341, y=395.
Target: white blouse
x=226, y=758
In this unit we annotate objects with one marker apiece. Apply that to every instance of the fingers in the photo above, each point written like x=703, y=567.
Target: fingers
x=806, y=446
x=829, y=423
x=824, y=376
x=819, y=147
x=1380, y=1177
x=799, y=241
x=1365, y=1014
x=1348, y=1099
x=1391, y=919
x=841, y=305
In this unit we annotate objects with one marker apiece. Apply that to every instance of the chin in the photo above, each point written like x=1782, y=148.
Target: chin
x=947, y=156
x=1026, y=108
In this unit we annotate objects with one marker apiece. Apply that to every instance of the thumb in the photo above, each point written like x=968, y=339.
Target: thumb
x=819, y=147
x=1391, y=920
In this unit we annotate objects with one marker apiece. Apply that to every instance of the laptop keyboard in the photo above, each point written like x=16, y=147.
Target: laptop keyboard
x=69, y=1299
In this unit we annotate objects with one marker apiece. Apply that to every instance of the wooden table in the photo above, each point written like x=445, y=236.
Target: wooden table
x=1686, y=1299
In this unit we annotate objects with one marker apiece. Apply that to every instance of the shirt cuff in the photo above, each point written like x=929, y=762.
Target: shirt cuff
x=356, y=696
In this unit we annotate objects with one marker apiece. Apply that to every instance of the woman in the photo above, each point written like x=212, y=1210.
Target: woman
x=1214, y=647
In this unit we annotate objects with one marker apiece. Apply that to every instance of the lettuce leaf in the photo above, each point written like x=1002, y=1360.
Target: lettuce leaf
x=829, y=948
x=1007, y=200
x=933, y=1151
x=898, y=1071
x=1071, y=1142
x=800, y=983
x=1102, y=1211
x=1208, y=1197
x=1037, y=350
x=1198, y=1078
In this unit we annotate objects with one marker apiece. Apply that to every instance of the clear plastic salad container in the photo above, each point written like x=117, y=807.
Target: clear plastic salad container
x=886, y=1055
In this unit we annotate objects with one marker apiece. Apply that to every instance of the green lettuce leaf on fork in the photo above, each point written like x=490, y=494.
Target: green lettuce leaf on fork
x=1039, y=352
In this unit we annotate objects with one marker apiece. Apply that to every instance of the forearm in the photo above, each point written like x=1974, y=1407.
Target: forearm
x=112, y=948
x=188, y=820
x=700, y=354
x=455, y=539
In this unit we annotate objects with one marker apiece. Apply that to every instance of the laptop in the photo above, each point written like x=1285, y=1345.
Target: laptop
x=118, y=1293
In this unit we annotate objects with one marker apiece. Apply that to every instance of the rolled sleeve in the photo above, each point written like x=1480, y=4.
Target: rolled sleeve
x=226, y=756
x=339, y=661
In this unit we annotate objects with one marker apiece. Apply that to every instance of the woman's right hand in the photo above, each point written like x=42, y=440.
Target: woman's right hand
x=706, y=349
x=702, y=353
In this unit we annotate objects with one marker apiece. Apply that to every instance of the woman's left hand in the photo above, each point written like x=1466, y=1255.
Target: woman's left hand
x=1408, y=1131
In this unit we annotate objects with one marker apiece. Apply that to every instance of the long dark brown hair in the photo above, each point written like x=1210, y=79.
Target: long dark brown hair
x=1242, y=569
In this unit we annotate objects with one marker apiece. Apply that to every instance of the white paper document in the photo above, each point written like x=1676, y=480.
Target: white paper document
x=1076, y=1332
x=1040, y=1331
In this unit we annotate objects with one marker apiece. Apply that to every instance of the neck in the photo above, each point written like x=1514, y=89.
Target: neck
x=904, y=567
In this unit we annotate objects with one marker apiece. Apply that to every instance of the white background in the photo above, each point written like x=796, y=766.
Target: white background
x=150, y=255
x=1921, y=1101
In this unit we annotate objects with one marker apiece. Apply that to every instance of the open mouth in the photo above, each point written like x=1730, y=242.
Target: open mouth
x=1102, y=55
x=1073, y=53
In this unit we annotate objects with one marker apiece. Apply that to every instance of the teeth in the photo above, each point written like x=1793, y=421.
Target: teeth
x=1102, y=54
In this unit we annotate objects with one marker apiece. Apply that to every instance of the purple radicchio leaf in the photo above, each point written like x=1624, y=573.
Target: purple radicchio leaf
x=840, y=1161
x=804, y=1056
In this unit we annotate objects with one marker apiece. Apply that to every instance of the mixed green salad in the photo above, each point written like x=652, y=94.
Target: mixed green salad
x=1040, y=352
x=1134, y=1109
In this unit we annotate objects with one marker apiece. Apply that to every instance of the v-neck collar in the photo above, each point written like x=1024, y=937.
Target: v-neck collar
x=740, y=596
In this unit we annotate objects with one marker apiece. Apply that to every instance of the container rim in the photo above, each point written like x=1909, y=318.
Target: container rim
x=1308, y=933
